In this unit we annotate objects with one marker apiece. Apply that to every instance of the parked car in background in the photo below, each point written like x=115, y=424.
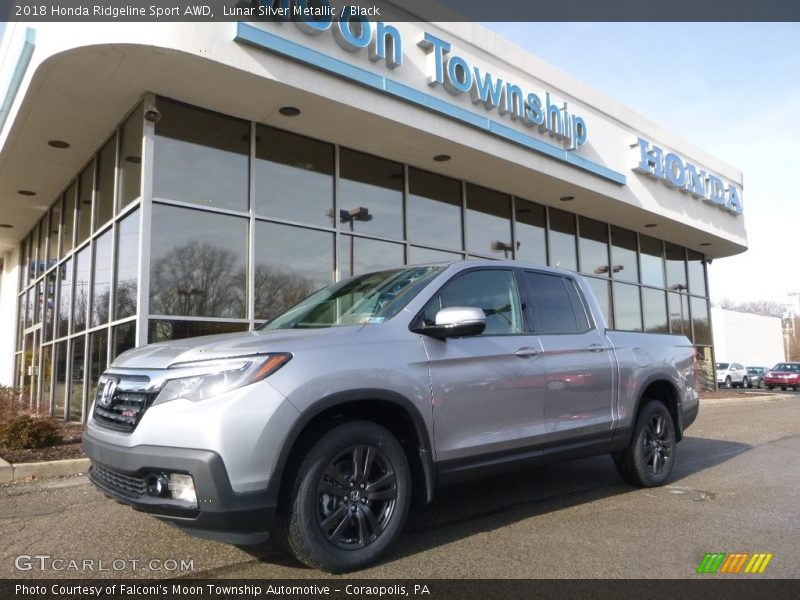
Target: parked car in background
x=731, y=375
x=783, y=375
x=755, y=376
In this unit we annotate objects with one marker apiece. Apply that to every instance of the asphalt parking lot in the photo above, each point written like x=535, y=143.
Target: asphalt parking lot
x=734, y=489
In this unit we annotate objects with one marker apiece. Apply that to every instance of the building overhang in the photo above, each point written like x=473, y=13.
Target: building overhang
x=78, y=90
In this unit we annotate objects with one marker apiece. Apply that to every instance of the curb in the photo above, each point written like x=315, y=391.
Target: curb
x=41, y=470
x=745, y=399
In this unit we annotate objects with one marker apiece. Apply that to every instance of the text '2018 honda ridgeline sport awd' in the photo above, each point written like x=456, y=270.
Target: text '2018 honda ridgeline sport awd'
x=322, y=427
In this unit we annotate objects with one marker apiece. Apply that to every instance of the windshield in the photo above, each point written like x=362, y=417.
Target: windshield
x=793, y=367
x=370, y=298
x=722, y=366
x=756, y=370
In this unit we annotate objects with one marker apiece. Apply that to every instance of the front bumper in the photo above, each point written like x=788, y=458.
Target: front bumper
x=220, y=514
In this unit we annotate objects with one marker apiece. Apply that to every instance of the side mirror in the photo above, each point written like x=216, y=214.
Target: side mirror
x=456, y=321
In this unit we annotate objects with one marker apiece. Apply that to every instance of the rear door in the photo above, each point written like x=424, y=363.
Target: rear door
x=577, y=360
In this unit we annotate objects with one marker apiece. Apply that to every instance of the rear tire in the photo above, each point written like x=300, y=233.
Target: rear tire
x=648, y=459
x=745, y=383
x=350, y=498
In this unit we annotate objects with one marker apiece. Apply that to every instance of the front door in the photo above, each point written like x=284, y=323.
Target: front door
x=487, y=389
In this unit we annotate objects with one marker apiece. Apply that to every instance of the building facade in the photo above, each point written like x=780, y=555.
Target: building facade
x=163, y=181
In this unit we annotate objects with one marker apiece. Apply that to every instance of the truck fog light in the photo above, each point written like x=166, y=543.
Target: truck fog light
x=181, y=487
x=158, y=485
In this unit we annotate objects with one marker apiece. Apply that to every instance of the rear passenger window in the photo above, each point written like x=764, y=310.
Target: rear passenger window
x=492, y=290
x=554, y=306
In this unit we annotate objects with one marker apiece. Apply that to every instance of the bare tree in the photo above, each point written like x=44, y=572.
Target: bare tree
x=197, y=279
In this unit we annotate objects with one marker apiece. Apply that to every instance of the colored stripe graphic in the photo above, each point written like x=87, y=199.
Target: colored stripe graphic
x=711, y=562
x=722, y=562
x=758, y=563
x=734, y=562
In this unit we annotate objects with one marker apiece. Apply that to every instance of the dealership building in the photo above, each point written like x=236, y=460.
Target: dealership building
x=166, y=180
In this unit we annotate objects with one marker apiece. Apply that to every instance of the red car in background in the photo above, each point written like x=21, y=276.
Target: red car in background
x=783, y=375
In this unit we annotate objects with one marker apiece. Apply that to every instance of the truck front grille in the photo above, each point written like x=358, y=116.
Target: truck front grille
x=123, y=410
x=119, y=483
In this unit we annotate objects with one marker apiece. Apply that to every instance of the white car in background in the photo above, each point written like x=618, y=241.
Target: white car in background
x=731, y=375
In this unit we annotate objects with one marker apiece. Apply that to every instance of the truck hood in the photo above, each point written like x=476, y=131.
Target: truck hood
x=228, y=345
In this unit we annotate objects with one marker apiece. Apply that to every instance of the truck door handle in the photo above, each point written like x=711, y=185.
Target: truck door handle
x=596, y=348
x=526, y=352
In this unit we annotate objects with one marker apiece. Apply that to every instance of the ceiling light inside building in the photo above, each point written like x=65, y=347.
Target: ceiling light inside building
x=58, y=144
x=289, y=111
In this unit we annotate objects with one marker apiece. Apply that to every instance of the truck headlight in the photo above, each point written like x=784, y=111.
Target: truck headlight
x=205, y=379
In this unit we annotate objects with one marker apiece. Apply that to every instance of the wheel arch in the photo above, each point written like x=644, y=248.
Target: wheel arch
x=386, y=408
x=663, y=389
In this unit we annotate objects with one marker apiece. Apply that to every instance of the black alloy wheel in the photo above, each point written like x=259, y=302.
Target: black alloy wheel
x=349, y=500
x=357, y=496
x=650, y=456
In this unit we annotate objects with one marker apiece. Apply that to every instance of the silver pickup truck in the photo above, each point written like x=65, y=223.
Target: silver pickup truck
x=322, y=427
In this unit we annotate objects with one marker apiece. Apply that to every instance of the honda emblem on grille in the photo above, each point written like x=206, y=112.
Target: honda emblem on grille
x=109, y=387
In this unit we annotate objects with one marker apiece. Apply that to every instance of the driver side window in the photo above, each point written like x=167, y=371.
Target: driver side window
x=492, y=290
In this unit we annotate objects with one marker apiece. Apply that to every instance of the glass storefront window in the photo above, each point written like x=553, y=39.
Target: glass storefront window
x=375, y=186
x=625, y=267
x=44, y=234
x=165, y=330
x=531, y=228
x=434, y=210
x=25, y=261
x=101, y=290
x=627, y=307
x=293, y=177
x=49, y=307
x=701, y=323
x=33, y=258
x=80, y=302
x=562, y=240
x=130, y=159
x=199, y=268
x=76, y=387
x=488, y=222
x=676, y=266
x=55, y=226
x=593, y=247
x=652, y=261
x=127, y=267
x=602, y=291
x=85, y=187
x=655, y=311
x=64, y=298
x=98, y=359
x=419, y=256
x=201, y=157
x=697, y=274
x=705, y=368
x=104, y=200
x=679, y=314
x=60, y=380
x=69, y=219
x=123, y=338
x=290, y=263
x=361, y=255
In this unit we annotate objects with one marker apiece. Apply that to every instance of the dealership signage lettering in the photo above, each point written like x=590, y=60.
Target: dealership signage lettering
x=677, y=172
x=446, y=69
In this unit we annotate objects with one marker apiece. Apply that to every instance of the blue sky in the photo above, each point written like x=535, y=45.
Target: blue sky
x=730, y=88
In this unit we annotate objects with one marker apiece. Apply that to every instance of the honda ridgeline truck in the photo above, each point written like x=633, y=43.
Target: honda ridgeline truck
x=322, y=427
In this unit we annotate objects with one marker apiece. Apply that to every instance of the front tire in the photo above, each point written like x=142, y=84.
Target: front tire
x=648, y=460
x=350, y=498
x=728, y=382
